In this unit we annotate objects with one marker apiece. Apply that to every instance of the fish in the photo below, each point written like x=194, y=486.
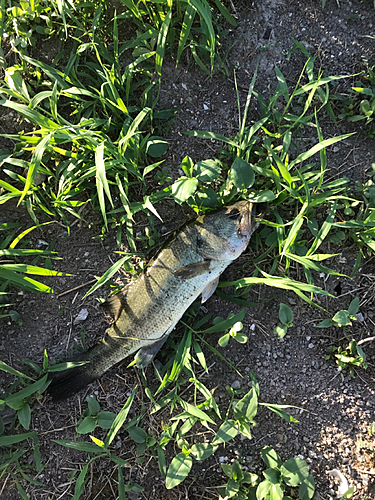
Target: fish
x=147, y=310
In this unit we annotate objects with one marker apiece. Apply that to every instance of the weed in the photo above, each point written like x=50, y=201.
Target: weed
x=349, y=358
x=93, y=417
x=286, y=318
x=359, y=105
x=343, y=317
x=100, y=449
x=368, y=445
x=234, y=332
x=292, y=475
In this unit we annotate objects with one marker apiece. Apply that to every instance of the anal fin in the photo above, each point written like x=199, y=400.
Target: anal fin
x=209, y=290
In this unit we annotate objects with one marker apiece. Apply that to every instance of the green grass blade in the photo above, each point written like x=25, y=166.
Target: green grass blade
x=315, y=149
x=26, y=268
x=6, y=368
x=31, y=114
x=211, y=135
x=204, y=12
x=294, y=230
x=119, y=420
x=248, y=98
x=15, y=400
x=186, y=27
x=24, y=282
x=35, y=163
x=311, y=263
x=162, y=38
x=225, y=12
x=107, y=275
x=323, y=231
x=197, y=59
x=9, y=440
x=101, y=181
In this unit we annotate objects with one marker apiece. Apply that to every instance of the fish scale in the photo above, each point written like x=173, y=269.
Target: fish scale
x=148, y=309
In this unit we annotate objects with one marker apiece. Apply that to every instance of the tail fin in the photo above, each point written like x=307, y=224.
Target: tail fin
x=67, y=382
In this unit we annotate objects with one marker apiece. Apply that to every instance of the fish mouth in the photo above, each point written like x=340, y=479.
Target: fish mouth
x=245, y=208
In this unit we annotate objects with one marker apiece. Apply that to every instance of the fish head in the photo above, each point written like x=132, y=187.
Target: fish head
x=224, y=235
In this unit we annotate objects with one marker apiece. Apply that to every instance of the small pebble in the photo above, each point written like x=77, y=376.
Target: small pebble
x=82, y=315
x=236, y=384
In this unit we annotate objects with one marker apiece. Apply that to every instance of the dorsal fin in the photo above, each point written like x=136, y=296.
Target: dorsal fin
x=112, y=307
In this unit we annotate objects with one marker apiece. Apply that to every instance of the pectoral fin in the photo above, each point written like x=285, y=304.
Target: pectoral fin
x=209, y=290
x=145, y=355
x=192, y=270
x=113, y=305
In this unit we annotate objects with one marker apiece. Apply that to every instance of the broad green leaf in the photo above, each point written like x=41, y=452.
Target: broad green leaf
x=87, y=425
x=207, y=170
x=294, y=471
x=201, y=451
x=93, y=405
x=227, y=431
x=187, y=165
x=341, y=318
x=178, y=470
x=261, y=196
x=156, y=146
x=270, y=457
x=285, y=314
x=184, y=188
x=307, y=488
x=263, y=489
x=241, y=174
x=247, y=407
x=272, y=475
x=105, y=419
x=353, y=306
x=24, y=416
x=137, y=434
x=326, y=323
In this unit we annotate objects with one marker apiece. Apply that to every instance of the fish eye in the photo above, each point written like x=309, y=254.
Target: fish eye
x=234, y=213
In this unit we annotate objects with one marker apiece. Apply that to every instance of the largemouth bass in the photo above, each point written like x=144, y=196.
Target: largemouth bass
x=147, y=310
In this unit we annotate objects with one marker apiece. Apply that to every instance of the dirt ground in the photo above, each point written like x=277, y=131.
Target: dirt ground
x=338, y=408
